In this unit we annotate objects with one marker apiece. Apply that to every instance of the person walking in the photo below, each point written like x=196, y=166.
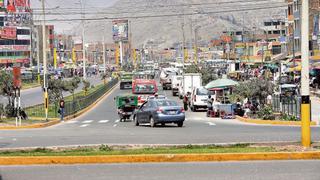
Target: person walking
x=185, y=102
x=61, y=109
x=209, y=106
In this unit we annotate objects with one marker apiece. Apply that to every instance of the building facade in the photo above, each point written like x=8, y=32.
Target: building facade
x=15, y=33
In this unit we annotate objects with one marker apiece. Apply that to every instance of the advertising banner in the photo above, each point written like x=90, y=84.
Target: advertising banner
x=120, y=30
x=17, y=6
x=14, y=48
x=16, y=77
x=8, y=33
x=18, y=19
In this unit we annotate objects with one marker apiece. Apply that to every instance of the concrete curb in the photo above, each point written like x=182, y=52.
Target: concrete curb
x=158, y=158
x=272, y=122
x=57, y=121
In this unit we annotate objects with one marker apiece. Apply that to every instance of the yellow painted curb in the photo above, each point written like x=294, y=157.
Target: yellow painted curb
x=272, y=122
x=158, y=158
x=56, y=120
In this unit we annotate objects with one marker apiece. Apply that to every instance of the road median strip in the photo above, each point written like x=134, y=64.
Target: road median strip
x=54, y=121
x=189, y=153
x=272, y=122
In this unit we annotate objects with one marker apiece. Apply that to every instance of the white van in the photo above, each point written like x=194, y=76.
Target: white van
x=176, y=83
x=199, y=98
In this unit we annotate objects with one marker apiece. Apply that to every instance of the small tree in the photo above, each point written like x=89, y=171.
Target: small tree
x=253, y=89
x=86, y=86
x=55, y=89
x=1, y=111
x=7, y=90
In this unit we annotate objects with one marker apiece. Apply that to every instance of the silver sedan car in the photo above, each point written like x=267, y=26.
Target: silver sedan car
x=159, y=111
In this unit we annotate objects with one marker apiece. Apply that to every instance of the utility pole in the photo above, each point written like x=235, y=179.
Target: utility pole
x=183, y=43
x=104, y=49
x=38, y=55
x=305, y=88
x=196, y=44
x=83, y=41
x=44, y=48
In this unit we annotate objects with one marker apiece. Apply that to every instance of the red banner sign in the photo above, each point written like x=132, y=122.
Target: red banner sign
x=16, y=77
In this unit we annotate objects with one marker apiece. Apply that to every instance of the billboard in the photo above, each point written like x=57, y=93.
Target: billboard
x=16, y=6
x=120, y=30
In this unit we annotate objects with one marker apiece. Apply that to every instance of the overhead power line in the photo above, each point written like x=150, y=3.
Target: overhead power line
x=171, y=15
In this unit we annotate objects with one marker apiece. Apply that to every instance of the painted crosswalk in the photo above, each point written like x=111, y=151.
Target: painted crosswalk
x=87, y=121
x=85, y=125
x=103, y=121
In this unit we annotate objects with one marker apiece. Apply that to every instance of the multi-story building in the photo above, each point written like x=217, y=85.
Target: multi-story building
x=49, y=42
x=15, y=34
x=294, y=27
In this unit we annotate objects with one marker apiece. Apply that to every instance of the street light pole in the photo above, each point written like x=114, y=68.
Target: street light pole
x=104, y=49
x=305, y=88
x=83, y=41
x=44, y=48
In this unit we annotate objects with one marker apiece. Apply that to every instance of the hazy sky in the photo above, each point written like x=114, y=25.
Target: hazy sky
x=66, y=26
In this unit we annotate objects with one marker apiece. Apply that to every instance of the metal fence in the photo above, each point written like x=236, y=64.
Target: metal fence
x=287, y=105
x=72, y=106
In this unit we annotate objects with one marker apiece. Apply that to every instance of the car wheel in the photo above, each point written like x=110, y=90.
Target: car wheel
x=135, y=120
x=152, y=123
x=163, y=124
x=180, y=124
x=195, y=109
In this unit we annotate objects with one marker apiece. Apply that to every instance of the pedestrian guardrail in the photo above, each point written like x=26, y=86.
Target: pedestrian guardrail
x=287, y=105
x=71, y=106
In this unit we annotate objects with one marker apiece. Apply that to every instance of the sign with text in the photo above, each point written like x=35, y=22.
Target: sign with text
x=8, y=33
x=120, y=30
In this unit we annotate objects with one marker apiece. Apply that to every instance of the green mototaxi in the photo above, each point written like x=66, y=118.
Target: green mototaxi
x=126, y=106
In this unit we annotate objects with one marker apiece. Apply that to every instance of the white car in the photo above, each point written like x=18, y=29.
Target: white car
x=199, y=98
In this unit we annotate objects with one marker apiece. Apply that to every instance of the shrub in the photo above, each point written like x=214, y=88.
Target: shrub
x=266, y=113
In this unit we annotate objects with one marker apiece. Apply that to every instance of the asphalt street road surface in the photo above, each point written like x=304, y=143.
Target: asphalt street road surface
x=267, y=170
x=34, y=96
x=101, y=126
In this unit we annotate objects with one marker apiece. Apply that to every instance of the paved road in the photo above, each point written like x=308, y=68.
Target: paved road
x=102, y=126
x=33, y=96
x=267, y=170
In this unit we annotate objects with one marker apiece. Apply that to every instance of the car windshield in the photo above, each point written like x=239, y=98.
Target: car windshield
x=202, y=91
x=144, y=88
x=167, y=103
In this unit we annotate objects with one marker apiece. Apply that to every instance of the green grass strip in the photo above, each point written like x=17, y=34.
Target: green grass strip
x=106, y=150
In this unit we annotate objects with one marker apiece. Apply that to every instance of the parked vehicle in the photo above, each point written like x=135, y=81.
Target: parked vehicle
x=176, y=83
x=189, y=81
x=159, y=112
x=199, y=98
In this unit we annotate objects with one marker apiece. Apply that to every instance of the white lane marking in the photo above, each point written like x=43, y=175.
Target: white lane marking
x=103, y=121
x=87, y=122
x=71, y=122
x=211, y=123
x=84, y=125
x=115, y=125
x=14, y=139
x=118, y=120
